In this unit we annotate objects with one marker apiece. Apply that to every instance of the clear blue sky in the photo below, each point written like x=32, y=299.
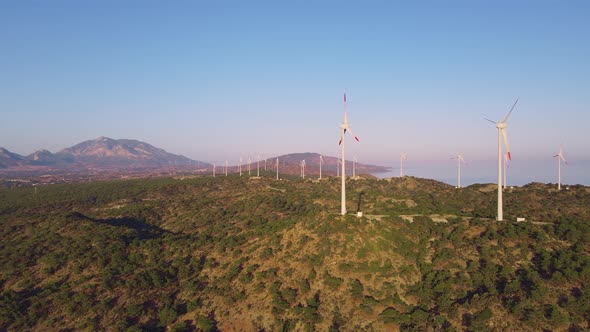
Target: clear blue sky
x=214, y=80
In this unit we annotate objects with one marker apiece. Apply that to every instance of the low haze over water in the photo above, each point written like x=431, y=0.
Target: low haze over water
x=518, y=174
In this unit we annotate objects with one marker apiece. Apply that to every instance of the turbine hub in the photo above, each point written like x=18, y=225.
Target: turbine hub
x=501, y=125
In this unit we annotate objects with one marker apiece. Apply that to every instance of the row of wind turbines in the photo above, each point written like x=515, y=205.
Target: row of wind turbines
x=302, y=167
x=503, y=161
x=502, y=137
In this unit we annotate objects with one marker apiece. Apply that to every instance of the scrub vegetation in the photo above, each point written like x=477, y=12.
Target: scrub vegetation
x=231, y=253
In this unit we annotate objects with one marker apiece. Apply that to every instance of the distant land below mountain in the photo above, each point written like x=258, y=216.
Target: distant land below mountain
x=106, y=154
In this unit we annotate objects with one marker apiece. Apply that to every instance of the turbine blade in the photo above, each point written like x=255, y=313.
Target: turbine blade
x=494, y=122
x=505, y=136
x=353, y=135
x=507, y=116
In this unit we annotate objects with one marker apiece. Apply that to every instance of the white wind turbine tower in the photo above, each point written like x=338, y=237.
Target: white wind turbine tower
x=321, y=161
x=460, y=160
x=213, y=169
x=249, y=165
x=502, y=135
x=277, y=168
x=403, y=156
x=354, y=167
x=258, y=167
x=343, y=128
x=263, y=157
x=226, y=168
x=240, y=166
x=559, y=157
x=302, y=165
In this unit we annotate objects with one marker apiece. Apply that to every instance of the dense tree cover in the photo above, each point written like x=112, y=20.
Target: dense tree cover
x=238, y=254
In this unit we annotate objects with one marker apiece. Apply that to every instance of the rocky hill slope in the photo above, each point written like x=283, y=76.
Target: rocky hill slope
x=237, y=254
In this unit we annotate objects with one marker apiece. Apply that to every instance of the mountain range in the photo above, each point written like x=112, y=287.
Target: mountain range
x=108, y=153
x=102, y=152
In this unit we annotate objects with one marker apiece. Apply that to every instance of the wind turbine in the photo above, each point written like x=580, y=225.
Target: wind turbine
x=403, y=156
x=301, y=168
x=354, y=167
x=240, y=166
x=277, y=168
x=302, y=164
x=343, y=128
x=249, y=165
x=321, y=161
x=501, y=125
x=226, y=168
x=264, y=162
x=213, y=169
x=258, y=167
x=559, y=157
x=460, y=159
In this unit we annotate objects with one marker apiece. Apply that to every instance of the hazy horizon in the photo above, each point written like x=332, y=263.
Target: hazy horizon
x=216, y=81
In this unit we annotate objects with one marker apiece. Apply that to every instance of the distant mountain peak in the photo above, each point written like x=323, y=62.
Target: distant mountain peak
x=42, y=155
x=7, y=154
x=123, y=153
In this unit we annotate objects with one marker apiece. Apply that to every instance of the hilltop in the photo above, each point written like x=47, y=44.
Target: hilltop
x=238, y=254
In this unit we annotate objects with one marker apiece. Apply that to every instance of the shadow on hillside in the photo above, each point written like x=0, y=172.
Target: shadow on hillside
x=140, y=228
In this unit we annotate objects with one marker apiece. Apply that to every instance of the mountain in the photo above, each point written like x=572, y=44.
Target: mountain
x=108, y=152
x=102, y=152
x=10, y=159
x=46, y=158
x=290, y=162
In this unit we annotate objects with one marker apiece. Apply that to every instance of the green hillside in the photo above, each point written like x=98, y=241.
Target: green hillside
x=235, y=254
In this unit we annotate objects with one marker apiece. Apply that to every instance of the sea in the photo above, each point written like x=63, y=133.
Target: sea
x=518, y=173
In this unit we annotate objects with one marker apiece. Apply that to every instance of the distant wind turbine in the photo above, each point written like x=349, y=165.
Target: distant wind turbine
x=213, y=169
x=321, y=162
x=354, y=167
x=559, y=157
x=277, y=168
x=460, y=160
x=302, y=165
x=249, y=165
x=226, y=168
x=240, y=166
x=343, y=128
x=403, y=156
x=502, y=135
